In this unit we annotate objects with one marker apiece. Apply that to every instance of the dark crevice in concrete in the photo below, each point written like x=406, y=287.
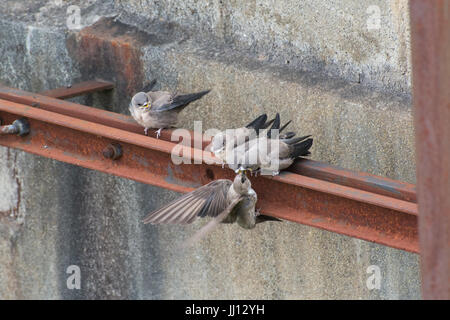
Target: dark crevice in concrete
x=69, y=250
x=19, y=187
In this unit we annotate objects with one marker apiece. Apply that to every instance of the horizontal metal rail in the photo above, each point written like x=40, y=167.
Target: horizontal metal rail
x=315, y=169
x=80, y=135
x=79, y=89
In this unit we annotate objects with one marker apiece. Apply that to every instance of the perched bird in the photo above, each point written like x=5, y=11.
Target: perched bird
x=231, y=138
x=225, y=143
x=225, y=200
x=159, y=109
x=272, y=154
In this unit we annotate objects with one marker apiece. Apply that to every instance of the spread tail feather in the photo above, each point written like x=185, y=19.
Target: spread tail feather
x=292, y=141
x=301, y=148
x=285, y=125
x=268, y=123
x=275, y=125
x=287, y=135
x=258, y=123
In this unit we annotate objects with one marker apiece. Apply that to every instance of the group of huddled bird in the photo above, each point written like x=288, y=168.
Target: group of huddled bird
x=260, y=146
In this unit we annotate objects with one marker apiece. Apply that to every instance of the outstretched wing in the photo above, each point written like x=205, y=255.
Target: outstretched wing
x=211, y=225
x=208, y=200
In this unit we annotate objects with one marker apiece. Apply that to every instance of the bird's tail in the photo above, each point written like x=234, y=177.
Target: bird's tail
x=287, y=135
x=258, y=123
x=301, y=148
x=275, y=125
x=182, y=101
x=262, y=218
x=284, y=126
x=291, y=140
x=268, y=123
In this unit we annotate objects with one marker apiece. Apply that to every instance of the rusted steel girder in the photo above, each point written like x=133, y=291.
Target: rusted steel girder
x=315, y=169
x=78, y=89
x=430, y=39
x=307, y=200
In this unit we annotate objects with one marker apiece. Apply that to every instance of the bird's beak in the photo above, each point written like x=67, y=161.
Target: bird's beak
x=243, y=176
x=147, y=105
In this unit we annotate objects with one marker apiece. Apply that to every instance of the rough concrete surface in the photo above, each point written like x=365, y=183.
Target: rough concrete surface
x=310, y=60
x=339, y=38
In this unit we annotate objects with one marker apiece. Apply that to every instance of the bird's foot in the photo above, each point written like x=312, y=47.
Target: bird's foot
x=158, y=133
x=223, y=165
x=258, y=212
x=146, y=131
x=275, y=173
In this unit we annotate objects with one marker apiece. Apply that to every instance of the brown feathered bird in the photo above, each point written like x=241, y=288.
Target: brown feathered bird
x=224, y=200
x=159, y=109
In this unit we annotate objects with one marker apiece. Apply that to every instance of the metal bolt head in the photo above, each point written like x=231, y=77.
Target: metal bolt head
x=22, y=125
x=113, y=151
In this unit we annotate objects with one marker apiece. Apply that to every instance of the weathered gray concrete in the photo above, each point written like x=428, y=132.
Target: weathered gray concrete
x=333, y=37
x=53, y=215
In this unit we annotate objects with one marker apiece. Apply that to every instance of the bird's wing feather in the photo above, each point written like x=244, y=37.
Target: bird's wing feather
x=211, y=225
x=301, y=148
x=177, y=102
x=283, y=150
x=208, y=200
x=258, y=123
x=159, y=99
x=130, y=107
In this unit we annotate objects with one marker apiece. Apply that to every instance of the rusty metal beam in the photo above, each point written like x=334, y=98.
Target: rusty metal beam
x=430, y=38
x=360, y=180
x=307, y=200
x=79, y=89
x=78, y=111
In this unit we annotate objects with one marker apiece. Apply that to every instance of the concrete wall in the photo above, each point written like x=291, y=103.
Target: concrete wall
x=313, y=61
